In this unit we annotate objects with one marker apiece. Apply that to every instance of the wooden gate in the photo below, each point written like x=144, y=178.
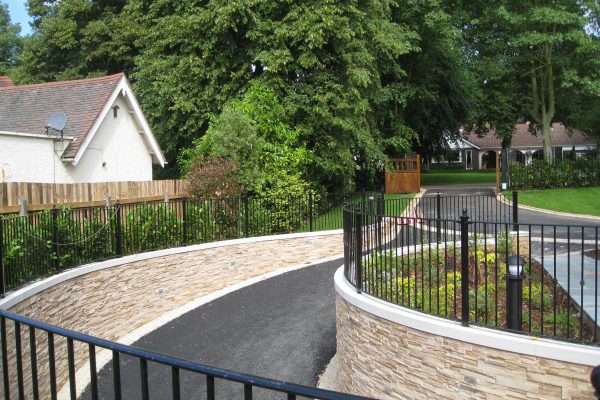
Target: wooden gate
x=404, y=176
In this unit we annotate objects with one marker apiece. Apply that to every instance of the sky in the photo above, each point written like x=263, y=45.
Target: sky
x=18, y=14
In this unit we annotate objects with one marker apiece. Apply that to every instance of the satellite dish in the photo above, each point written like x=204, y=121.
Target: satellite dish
x=57, y=121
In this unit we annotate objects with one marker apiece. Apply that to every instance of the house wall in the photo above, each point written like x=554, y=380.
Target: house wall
x=26, y=159
x=117, y=143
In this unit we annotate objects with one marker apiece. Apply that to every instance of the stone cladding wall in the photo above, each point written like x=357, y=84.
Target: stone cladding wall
x=382, y=359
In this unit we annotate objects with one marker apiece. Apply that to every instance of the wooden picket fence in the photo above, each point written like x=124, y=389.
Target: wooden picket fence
x=44, y=195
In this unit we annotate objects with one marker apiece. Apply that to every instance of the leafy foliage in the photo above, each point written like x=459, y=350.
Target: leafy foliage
x=354, y=82
x=213, y=176
x=10, y=42
x=561, y=174
x=526, y=55
x=75, y=39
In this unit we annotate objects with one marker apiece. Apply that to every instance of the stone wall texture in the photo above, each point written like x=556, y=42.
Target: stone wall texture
x=112, y=302
x=382, y=359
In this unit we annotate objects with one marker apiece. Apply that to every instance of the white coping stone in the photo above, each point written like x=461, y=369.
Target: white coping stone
x=22, y=294
x=505, y=341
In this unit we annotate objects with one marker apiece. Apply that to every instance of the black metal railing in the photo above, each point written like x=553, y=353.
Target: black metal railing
x=458, y=268
x=38, y=359
x=46, y=242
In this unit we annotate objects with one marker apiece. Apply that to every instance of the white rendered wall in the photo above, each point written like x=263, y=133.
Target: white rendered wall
x=26, y=159
x=117, y=143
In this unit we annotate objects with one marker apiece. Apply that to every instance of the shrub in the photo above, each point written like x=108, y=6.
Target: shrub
x=214, y=176
x=563, y=173
x=151, y=227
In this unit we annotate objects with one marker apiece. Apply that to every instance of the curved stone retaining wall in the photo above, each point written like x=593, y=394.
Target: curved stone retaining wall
x=112, y=298
x=389, y=352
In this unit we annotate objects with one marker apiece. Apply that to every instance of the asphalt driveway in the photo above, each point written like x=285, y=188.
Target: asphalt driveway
x=281, y=328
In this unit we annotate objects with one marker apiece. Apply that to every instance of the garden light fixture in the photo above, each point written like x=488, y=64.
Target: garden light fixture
x=514, y=293
x=515, y=265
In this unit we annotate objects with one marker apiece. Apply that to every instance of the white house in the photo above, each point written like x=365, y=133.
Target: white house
x=106, y=137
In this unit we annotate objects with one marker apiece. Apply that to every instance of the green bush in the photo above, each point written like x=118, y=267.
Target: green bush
x=561, y=174
x=29, y=250
x=151, y=227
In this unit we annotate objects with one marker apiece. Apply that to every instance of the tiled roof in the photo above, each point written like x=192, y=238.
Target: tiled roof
x=5, y=81
x=26, y=108
x=522, y=138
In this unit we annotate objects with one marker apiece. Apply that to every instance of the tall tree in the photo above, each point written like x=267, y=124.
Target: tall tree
x=10, y=42
x=75, y=39
x=439, y=89
x=548, y=34
x=536, y=41
x=580, y=90
x=321, y=58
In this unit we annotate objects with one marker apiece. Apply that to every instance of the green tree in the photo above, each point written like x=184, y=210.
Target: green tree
x=580, y=90
x=356, y=81
x=530, y=49
x=75, y=39
x=252, y=132
x=439, y=91
x=10, y=42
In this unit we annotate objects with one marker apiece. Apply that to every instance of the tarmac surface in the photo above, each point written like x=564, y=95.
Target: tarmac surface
x=282, y=328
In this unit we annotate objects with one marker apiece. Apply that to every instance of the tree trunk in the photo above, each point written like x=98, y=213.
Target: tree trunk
x=547, y=140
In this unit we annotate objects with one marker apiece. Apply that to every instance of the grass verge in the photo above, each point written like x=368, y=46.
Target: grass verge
x=575, y=200
x=457, y=177
x=332, y=219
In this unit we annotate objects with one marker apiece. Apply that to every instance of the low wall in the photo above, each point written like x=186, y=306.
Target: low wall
x=389, y=352
x=112, y=298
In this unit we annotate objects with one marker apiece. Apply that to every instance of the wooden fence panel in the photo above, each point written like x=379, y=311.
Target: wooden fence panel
x=44, y=195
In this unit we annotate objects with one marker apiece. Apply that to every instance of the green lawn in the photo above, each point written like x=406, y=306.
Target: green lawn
x=457, y=177
x=333, y=218
x=577, y=201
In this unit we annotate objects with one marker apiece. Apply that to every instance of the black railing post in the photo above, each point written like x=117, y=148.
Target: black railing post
x=118, y=230
x=310, y=210
x=595, y=379
x=2, y=272
x=464, y=262
x=438, y=219
x=245, y=200
x=515, y=210
x=358, y=222
x=184, y=219
x=379, y=224
x=55, y=236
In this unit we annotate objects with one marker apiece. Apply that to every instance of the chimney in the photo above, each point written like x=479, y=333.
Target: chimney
x=5, y=82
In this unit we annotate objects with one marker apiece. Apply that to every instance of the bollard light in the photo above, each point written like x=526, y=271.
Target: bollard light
x=514, y=292
x=515, y=265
